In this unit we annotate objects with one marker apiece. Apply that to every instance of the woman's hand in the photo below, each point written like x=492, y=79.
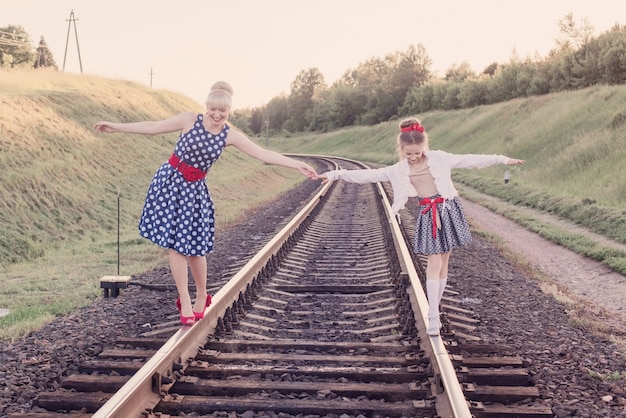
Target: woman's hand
x=308, y=171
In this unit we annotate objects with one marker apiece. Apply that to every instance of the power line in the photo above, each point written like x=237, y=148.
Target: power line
x=69, y=26
x=7, y=33
x=9, y=39
x=11, y=42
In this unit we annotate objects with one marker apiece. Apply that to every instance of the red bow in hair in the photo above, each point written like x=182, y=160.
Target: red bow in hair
x=413, y=127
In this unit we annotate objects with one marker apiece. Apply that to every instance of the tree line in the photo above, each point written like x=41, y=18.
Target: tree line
x=403, y=83
x=16, y=50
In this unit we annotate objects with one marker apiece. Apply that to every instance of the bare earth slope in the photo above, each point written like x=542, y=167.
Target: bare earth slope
x=580, y=275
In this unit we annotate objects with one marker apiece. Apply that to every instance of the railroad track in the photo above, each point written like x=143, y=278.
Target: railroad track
x=328, y=318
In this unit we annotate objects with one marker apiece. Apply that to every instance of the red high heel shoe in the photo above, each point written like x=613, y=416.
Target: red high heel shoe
x=199, y=315
x=185, y=320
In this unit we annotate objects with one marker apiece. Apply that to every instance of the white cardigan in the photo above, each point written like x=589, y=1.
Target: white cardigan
x=440, y=165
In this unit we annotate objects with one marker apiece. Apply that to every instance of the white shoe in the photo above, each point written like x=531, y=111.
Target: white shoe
x=434, y=325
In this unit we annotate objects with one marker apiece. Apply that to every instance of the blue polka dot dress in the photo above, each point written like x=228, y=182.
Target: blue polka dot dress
x=179, y=214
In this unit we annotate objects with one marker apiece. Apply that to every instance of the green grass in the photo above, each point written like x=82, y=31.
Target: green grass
x=577, y=239
x=60, y=183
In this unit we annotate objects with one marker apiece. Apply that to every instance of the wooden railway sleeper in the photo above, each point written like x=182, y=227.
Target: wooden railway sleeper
x=500, y=394
x=149, y=413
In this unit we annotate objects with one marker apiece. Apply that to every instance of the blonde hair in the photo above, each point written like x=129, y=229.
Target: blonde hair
x=411, y=132
x=220, y=96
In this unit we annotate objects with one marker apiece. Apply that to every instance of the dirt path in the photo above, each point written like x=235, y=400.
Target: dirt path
x=582, y=276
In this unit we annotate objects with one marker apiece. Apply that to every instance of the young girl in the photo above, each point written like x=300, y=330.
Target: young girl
x=178, y=213
x=441, y=225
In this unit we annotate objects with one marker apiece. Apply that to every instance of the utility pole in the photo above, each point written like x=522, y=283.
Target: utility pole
x=151, y=74
x=69, y=26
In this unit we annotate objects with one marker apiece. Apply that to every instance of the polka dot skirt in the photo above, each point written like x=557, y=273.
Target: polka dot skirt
x=179, y=214
x=453, y=230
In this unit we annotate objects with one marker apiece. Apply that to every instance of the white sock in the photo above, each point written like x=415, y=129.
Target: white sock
x=442, y=287
x=432, y=292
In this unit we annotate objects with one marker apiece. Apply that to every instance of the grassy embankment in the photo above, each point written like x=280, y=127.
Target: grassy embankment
x=60, y=181
x=574, y=144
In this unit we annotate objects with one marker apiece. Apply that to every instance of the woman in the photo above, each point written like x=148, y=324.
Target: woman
x=178, y=212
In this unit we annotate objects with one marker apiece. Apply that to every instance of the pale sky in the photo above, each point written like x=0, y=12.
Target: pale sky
x=260, y=46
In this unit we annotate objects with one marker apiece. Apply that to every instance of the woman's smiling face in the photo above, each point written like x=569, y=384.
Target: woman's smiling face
x=217, y=115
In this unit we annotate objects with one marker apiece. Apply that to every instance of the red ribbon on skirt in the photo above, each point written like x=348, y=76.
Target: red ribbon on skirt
x=430, y=205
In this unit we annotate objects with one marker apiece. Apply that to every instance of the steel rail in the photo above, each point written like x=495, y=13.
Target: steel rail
x=456, y=401
x=144, y=389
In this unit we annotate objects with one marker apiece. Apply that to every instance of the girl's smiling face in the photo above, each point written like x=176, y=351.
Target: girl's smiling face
x=414, y=152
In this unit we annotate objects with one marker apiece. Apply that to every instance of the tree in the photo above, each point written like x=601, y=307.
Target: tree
x=419, y=99
x=612, y=59
x=345, y=104
x=459, y=72
x=474, y=92
x=408, y=69
x=15, y=47
x=257, y=121
x=602, y=60
x=503, y=85
x=387, y=82
x=277, y=112
x=573, y=35
x=44, y=56
x=452, y=99
x=241, y=119
x=303, y=89
x=368, y=80
x=491, y=69
x=411, y=68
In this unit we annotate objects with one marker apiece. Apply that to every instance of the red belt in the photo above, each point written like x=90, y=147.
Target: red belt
x=430, y=205
x=189, y=173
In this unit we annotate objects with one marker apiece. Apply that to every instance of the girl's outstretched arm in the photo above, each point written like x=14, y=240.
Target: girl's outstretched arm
x=323, y=177
x=513, y=161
